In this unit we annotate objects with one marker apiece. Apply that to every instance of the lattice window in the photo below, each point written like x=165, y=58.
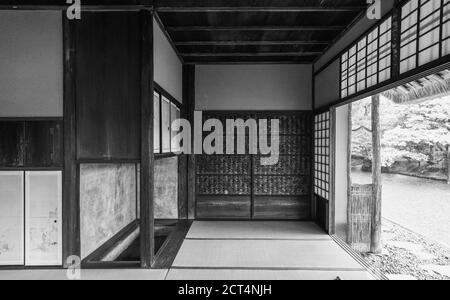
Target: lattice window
x=368, y=62
x=425, y=32
x=322, y=155
x=165, y=113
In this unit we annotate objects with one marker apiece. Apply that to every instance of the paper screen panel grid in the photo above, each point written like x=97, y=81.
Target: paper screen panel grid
x=166, y=112
x=322, y=155
x=12, y=218
x=43, y=218
x=165, y=127
x=368, y=62
x=174, y=117
x=425, y=32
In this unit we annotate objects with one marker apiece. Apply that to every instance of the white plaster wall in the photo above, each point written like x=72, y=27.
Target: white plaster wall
x=168, y=69
x=253, y=87
x=327, y=85
x=31, y=64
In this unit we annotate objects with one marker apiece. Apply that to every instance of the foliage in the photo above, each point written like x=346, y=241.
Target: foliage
x=409, y=130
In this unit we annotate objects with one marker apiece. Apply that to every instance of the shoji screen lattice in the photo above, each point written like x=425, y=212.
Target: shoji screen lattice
x=322, y=155
x=425, y=32
x=368, y=62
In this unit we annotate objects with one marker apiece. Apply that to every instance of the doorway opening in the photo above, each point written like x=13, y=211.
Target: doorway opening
x=414, y=160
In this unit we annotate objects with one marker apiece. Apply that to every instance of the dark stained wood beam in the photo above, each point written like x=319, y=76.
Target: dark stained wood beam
x=71, y=245
x=61, y=4
x=189, y=109
x=255, y=28
x=196, y=9
x=147, y=233
x=84, y=8
x=250, y=43
x=232, y=54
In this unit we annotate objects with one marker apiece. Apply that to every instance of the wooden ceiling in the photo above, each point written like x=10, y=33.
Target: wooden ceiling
x=246, y=31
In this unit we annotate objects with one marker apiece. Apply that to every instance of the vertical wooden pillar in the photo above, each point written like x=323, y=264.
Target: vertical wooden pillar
x=375, y=245
x=396, y=39
x=349, y=175
x=71, y=205
x=186, y=163
x=332, y=201
x=147, y=156
x=189, y=100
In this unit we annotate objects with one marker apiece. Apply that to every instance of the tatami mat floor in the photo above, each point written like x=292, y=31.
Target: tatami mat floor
x=262, y=250
x=239, y=251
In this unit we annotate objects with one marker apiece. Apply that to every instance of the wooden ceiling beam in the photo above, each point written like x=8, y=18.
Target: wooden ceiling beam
x=251, y=43
x=245, y=61
x=246, y=54
x=273, y=9
x=255, y=28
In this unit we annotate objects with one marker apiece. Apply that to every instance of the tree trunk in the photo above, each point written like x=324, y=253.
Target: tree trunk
x=349, y=175
x=376, y=246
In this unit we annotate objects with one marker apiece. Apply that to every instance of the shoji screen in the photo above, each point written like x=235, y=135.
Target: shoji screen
x=43, y=194
x=425, y=32
x=446, y=28
x=165, y=115
x=322, y=155
x=11, y=218
x=368, y=62
x=174, y=115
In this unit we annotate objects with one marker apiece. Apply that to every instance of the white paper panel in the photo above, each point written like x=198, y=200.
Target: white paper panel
x=165, y=111
x=408, y=64
x=408, y=50
x=409, y=7
x=429, y=55
x=11, y=218
x=43, y=218
x=156, y=123
x=446, y=47
x=174, y=116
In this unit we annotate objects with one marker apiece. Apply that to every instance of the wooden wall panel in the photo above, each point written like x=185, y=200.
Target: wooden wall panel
x=228, y=185
x=31, y=144
x=281, y=207
x=44, y=144
x=108, y=85
x=322, y=210
x=12, y=150
x=223, y=207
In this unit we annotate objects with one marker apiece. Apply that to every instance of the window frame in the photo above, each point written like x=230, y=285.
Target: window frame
x=419, y=26
x=360, y=64
x=162, y=93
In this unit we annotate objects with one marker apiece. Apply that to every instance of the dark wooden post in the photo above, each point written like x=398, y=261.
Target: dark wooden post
x=71, y=203
x=189, y=103
x=375, y=245
x=147, y=157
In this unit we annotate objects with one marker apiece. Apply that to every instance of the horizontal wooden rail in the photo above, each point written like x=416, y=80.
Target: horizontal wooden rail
x=272, y=9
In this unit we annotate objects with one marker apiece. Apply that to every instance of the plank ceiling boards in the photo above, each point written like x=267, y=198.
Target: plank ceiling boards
x=249, y=31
